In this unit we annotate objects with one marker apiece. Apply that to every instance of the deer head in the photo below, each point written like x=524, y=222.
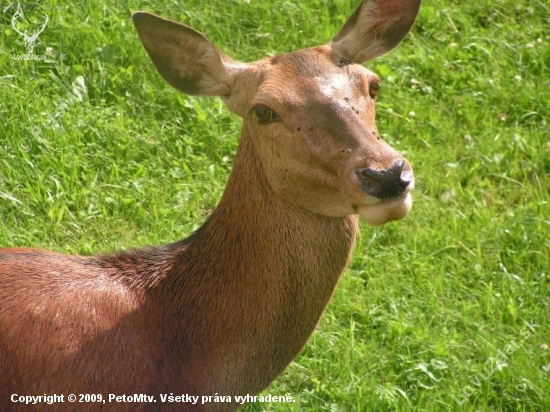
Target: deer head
x=310, y=113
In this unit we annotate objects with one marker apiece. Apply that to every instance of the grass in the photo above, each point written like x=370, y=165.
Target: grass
x=427, y=302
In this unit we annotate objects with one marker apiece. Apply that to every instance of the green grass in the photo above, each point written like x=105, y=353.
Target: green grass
x=427, y=301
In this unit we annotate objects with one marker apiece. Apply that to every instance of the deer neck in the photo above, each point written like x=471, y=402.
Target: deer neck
x=270, y=236
x=267, y=270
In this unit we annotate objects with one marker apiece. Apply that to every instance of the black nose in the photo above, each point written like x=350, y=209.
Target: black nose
x=387, y=183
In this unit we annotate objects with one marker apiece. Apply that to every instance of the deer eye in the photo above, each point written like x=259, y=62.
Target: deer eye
x=264, y=114
x=374, y=87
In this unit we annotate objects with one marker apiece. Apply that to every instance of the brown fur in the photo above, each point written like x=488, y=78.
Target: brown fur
x=225, y=310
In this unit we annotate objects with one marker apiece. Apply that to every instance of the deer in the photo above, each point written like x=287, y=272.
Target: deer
x=227, y=309
x=29, y=39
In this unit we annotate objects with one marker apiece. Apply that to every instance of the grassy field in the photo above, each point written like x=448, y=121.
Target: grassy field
x=446, y=310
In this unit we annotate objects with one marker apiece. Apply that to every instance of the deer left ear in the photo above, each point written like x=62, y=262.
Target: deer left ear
x=375, y=28
x=184, y=57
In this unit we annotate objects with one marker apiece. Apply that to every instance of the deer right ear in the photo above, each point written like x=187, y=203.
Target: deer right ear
x=184, y=57
x=375, y=28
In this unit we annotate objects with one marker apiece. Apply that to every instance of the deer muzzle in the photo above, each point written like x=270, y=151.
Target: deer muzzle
x=386, y=183
x=391, y=190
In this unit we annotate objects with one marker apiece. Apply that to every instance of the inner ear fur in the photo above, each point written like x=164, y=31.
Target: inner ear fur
x=376, y=27
x=184, y=57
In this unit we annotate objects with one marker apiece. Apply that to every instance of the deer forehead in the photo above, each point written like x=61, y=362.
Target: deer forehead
x=330, y=85
x=346, y=88
x=303, y=86
x=352, y=80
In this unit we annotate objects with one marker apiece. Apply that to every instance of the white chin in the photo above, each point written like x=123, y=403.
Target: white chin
x=386, y=210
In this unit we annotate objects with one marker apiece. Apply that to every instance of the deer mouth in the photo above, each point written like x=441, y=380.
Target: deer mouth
x=386, y=210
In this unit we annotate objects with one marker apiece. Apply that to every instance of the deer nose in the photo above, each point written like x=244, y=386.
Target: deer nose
x=388, y=183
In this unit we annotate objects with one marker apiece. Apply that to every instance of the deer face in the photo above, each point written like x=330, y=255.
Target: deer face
x=313, y=119
x=311, y=113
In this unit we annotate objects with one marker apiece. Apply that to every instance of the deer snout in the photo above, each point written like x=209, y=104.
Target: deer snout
x=386, y=183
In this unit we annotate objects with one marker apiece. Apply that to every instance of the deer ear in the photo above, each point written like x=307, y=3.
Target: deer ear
x=375, y=28
x=184, y=57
